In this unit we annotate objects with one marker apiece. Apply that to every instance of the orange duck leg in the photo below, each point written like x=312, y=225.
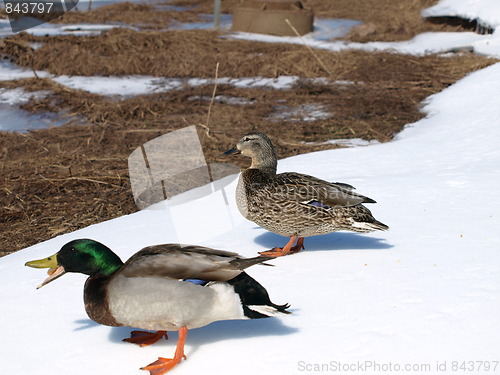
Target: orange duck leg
x=287, y=249
x=162, y=365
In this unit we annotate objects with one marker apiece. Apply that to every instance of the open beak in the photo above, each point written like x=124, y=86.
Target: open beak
x=233, y=151
x=55, y=270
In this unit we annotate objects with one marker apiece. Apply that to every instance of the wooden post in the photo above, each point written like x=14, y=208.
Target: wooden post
x=217, y=5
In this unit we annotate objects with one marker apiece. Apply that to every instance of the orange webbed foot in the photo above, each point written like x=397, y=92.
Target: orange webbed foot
x=274, y=252
x=287, y=249
x=145, y=338
x=162, y=365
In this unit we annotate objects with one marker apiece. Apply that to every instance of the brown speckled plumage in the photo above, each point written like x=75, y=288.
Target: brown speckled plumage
x=294, y=204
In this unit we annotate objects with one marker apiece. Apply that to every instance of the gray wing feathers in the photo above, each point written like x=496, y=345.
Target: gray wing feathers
x=187, y=262
x=306, y=188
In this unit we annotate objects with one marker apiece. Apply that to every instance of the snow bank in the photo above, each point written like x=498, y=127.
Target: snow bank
x=486, y=12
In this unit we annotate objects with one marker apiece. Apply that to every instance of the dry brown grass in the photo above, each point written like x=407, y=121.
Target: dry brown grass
x=383, y=20
x=170, y=54
x=195, y=54
x=137, y=15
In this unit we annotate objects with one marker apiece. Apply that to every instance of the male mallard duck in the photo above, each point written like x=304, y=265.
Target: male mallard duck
x=162, y=288
x=292, y=204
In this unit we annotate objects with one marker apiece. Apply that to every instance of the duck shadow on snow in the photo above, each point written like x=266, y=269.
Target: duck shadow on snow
x=217, y=331
x=331, y=241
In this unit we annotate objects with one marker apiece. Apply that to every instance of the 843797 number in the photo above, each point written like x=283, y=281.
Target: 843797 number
x=475, y=366
x=28, y=7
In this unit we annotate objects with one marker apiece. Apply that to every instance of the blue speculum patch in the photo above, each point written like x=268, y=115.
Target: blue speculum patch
x=197, y=282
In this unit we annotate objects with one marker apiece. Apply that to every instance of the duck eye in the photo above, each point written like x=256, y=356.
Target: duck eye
x=246, y=139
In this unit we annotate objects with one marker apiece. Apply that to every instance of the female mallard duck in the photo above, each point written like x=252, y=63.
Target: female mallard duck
x=292, y=204
x=162, y=288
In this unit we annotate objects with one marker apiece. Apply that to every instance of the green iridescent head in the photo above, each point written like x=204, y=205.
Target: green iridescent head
x=82, y=256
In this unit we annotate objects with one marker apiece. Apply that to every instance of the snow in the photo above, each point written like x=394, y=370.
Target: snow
x=423, y=297
x=349, y=142
x=232, y=100
x=302, y=112
x=422, y=44
x=131, y=85
x=9, y=71
x=12, y=118
x=328, y=29
x=137, y=85
x=49, y=29
x=19, y=96
x=208, y=23
x=487, y=11
x=52, y=29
